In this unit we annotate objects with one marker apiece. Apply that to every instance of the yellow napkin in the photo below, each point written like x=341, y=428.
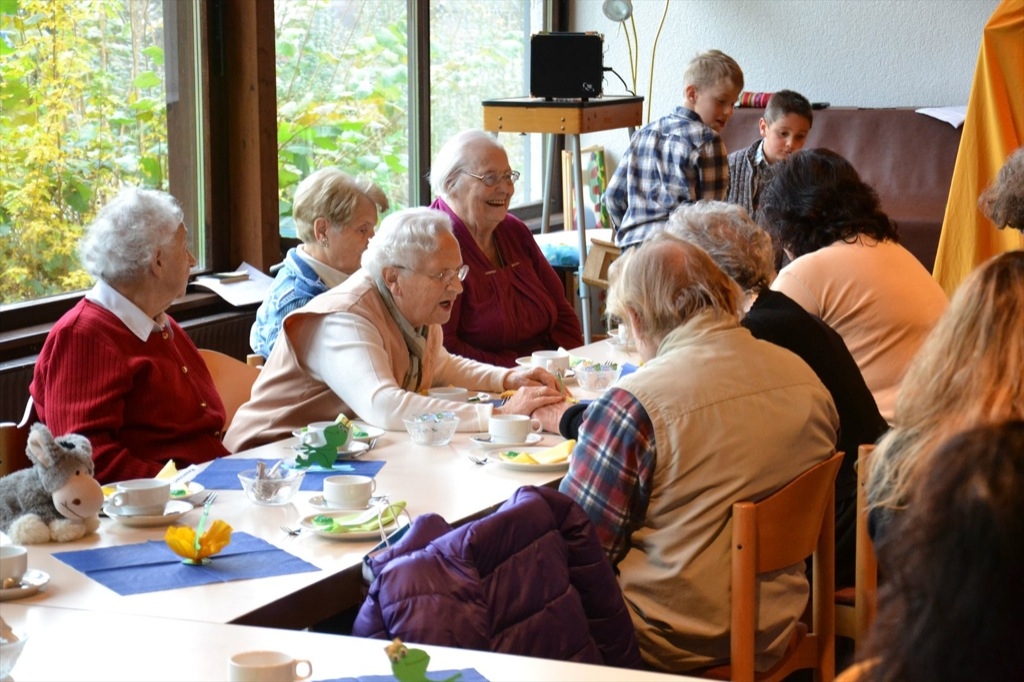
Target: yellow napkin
x=559, y=453
x=168, y=472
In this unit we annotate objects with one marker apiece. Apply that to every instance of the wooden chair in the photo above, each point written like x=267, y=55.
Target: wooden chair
x=781, y=530
x=13, y=439
x=601, y=256
x=233, y=378
x=255, y=360
x=855, y=606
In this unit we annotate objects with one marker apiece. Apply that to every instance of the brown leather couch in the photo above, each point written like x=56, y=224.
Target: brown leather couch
x=907, y=157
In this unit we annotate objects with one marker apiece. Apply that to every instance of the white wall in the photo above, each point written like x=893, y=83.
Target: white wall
x=854, y=53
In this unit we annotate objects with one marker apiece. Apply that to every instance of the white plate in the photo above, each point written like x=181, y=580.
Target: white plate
x=483, y=440
x=370, y=431
x=492, y=456
x=374, y=534
x=319, y=502
x=31, y=583
x=193, y=490
x=174, y=510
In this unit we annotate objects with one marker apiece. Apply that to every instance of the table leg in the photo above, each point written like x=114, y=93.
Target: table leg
x=547, y=140
x=581, y=230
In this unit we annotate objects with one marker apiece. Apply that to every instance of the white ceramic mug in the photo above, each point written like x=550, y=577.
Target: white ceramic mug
x=348, y=492
x=454, y=393
x=267, y=666
x=511, y=428
x=142, y=497
x=13, y=563
x=625, y=335
x=551, y=360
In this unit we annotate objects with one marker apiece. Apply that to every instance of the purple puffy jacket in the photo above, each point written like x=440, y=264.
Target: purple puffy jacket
x=529, y=579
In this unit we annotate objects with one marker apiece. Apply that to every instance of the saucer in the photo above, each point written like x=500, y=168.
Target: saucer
x=174, y=510
x=483, y=440
x=617, y=344
x=31, y=583
x=374, y=534
x=185, y=491
x=319, y=502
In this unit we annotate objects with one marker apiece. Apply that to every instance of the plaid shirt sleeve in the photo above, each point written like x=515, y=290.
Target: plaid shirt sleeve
x=612, y=469
x=713, y=168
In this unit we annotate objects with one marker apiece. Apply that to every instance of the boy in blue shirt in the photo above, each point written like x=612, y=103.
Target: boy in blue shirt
x=679, y=158
x=784, y=127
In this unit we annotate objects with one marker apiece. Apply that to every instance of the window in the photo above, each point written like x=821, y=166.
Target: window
x=94, y=95
x=343, y=90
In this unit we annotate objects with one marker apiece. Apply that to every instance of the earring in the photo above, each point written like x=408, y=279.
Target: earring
x=323, y=242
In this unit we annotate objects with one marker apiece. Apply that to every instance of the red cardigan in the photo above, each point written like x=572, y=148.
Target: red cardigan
x=140, y=403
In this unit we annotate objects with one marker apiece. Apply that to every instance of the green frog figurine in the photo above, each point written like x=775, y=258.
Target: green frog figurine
x=320, y=447
x=410, y=665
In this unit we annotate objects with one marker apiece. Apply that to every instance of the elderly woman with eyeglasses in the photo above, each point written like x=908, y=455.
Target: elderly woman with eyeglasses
x=371, y=347
x=513, y=302
x=335, y=215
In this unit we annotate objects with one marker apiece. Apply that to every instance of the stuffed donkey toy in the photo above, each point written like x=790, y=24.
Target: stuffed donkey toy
x=57, y=499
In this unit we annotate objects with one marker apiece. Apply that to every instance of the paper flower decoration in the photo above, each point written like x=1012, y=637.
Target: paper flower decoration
x=182, y=541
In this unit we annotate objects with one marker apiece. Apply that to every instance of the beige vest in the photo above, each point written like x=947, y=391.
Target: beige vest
x=735, y=419
x=286, y=396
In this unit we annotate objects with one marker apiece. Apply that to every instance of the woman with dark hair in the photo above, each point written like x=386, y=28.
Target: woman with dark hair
x=848, y=268
x=953, y=601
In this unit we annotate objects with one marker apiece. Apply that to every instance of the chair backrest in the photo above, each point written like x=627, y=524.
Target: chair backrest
x=781, y=530
x=14, y=439
x=255, y=360
x=866, y=569
x=233, y=378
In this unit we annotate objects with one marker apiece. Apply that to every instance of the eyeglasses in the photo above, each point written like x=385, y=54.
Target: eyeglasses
x=491, y=179
x=444, y=277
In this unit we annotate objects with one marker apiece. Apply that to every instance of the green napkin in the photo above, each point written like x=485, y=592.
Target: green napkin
x=359, y=521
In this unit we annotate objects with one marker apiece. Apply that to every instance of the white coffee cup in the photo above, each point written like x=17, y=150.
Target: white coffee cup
x=551, y=360
x=13, y=562
x=142, y=497
x=511, y=428
x=348, y=492
x=625, y=335
x=267, y=666
x=454, y=393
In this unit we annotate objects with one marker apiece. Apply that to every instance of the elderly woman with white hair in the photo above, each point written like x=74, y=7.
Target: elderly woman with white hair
x=335, y=215
x=513, y=302
x=116, y=368
x=713, y=417
x=370, y=347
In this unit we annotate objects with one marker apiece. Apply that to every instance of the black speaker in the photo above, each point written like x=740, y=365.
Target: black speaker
x=566, y=65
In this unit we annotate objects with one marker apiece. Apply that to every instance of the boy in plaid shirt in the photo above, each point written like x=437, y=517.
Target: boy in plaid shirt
x=679, y=158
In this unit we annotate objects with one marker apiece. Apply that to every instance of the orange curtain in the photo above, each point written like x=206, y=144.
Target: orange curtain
x=993, y=130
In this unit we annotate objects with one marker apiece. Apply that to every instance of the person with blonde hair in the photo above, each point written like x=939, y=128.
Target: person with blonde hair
x=952, y=602
x=680, y=157
x=969, y=372
x=713, y=417
x=335, y=215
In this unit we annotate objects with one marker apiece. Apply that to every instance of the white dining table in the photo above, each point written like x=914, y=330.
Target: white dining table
x=104, y=646
x=442, y=480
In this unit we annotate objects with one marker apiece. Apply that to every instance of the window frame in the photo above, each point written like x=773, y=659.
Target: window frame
x=239, y=159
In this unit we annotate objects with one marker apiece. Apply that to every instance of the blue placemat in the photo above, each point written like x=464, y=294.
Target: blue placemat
x=465, y=675
x=151, y=566
x=222, y=474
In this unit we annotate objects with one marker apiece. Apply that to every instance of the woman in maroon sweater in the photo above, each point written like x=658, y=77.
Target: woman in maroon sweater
x=115, y=368
x=513, y=302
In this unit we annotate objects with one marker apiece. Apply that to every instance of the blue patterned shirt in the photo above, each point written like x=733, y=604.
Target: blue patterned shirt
x=294, y=286
x=669, y=162
x=611, y=472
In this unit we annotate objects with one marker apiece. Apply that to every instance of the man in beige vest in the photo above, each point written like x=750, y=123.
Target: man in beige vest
x=713, y=417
